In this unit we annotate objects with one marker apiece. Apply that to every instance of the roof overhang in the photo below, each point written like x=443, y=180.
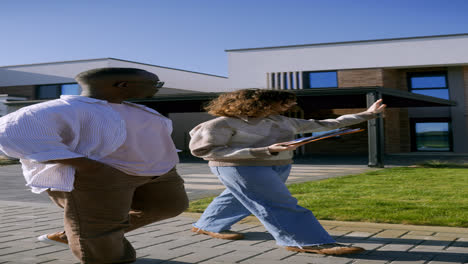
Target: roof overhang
x=308, y=99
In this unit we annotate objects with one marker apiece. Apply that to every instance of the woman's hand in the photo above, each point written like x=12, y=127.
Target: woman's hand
x=377, y=107
x=278, y=147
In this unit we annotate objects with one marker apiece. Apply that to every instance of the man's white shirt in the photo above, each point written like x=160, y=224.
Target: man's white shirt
x=130, y=137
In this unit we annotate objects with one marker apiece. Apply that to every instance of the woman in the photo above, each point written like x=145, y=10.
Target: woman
x=243, y=147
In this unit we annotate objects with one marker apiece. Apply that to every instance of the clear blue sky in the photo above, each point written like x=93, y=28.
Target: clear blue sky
x=194, y=34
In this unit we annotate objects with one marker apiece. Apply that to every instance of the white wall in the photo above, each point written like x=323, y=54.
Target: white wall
x=248, y=68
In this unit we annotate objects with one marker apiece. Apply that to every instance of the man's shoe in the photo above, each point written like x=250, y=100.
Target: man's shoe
x=58, y=238
x=231, y=235
x=328, y=249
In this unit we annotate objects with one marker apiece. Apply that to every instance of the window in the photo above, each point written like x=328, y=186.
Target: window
x=432, y=135
x=285, y=81
x=47, y=91
x=273, y=85
x=71, y=89
x=326, y=79
x=429, y=83
x=55, y=90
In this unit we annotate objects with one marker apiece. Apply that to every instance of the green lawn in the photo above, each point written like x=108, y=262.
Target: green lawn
x=434, y=195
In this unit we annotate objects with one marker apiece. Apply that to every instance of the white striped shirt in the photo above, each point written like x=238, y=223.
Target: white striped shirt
x=69, y=127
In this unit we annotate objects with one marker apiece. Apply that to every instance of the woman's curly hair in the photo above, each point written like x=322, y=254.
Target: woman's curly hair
x=250, y=103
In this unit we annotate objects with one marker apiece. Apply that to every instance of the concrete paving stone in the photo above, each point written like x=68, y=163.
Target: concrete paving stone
x=358, y=234
x=338, y=233
x=407, y=236
x=427, y=249
x=391, y=240
x=372, y=256
x=50, y=229
x=397, y=247
x=161, y=252
x=152, y=247
x=409, y=262
x=391, y=233
x=369, y=246
x=450, y=258
x=14, y=237
x=447, y=234
x=414, y=258
x=421, y=233
x=247, y=248
x=317, y=259
x=444, y=262
x=435, y=242
x=183, y=243
x=367, y=261
x=32, y=259
x=399, y=254
x=357, y=228
x=462, y=250
x=443, y=238
x=261, y=244
x=235, y=256
x=256, y=261
x=273, y=254
x=166, y=232
x=350, y=240
x=206, y=241
x=203, y=255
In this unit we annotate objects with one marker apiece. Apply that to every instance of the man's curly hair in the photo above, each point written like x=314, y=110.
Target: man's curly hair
x=250, y=103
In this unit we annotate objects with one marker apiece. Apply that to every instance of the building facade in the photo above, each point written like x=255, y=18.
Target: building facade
x=435, y=66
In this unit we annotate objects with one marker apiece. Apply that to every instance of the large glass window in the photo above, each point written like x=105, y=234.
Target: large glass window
x=429, y=83
x=431, y=136
x=55, y=90
x=326, y=79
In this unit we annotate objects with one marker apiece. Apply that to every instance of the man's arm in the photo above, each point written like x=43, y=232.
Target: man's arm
x=28, y=135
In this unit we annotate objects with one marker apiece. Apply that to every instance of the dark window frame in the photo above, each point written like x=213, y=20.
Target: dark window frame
x=306, y=80
x=410, y=75
x=413, y=122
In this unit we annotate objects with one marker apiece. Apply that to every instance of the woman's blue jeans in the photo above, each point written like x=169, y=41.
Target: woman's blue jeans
x=261, y=191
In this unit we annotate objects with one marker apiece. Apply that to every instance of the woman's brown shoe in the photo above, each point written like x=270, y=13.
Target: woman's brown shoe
x=328, y=249
x=231, y=235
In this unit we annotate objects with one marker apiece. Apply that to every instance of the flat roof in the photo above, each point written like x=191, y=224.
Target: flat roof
x=350, y=42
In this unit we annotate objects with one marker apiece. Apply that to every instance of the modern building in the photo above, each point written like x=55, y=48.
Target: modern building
x=435, y=66
x=423, y=80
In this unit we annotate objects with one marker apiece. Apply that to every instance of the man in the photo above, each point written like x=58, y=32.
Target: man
x=109, y=163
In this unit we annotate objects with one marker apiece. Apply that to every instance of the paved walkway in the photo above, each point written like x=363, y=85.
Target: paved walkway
x=24, y=216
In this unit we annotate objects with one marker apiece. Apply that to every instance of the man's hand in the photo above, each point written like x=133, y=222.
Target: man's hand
x=377, y=107
x=278, y=147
